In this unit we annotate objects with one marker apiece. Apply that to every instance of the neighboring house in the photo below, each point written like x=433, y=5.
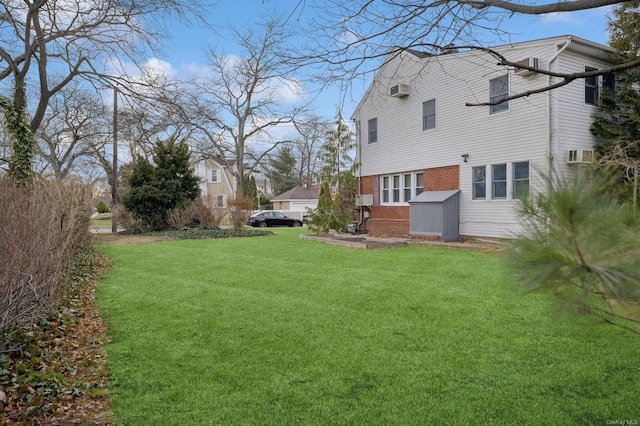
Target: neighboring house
x=415, y=134
x=297, y=199
x=217, y=183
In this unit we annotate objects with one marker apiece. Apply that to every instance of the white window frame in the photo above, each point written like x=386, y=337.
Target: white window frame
x=475, y=182
x=516, y=181
x=214, y=176
x=511, y=182
x=496, y=96
x=495, y=182
x=394, y=190
x=372, y=130
x=591, y=86
x=425, y=117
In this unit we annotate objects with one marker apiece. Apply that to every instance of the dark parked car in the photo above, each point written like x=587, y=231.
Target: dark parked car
x=272, y=218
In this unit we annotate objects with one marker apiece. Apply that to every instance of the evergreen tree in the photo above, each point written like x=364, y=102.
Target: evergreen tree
x=618, y=118
x=250, y=189
x=282, y=171
x=581, y=244
x=338, y=172
x=156, y=189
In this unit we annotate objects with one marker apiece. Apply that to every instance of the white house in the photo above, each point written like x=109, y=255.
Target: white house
x=414, y=132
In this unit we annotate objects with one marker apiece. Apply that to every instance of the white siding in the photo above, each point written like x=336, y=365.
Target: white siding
x=522, y=133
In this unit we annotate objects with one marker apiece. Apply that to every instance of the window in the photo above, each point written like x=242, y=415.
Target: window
x=385, y=189
x=373, y=130
x=499, y=89
x=520, y=180
x=479, y=182
x=396, y=189
x=214, y=176
x=590, y=88
x=402, y=187
x=406, y=187
x=429, y=115
x=499, y=181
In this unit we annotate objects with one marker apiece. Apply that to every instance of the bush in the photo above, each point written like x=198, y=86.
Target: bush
x=101, y=207
x=126, y=220
x=156, y=189
x=181, y=217
x=207, y=213
x=40, y=228
x=240, y=209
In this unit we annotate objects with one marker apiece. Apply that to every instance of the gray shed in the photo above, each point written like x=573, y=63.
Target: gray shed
x=435, y=214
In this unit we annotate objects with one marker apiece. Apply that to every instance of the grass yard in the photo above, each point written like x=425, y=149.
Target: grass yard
x=275, y=330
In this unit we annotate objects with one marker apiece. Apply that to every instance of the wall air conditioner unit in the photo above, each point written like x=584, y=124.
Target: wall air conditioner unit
x=580, y=156
x=364, y=200
x=527, y=62
x=399, y=90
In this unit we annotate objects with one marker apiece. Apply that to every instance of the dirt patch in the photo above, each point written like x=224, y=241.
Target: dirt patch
x=126, y=239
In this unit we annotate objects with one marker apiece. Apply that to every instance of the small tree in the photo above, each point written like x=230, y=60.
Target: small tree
x=282, y=171
x=250, y=189
x=154, y=190
x=582, y=244
x=338, y=172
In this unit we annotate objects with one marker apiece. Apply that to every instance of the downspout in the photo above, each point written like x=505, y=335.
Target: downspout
x=550, y=132
x=359, y=157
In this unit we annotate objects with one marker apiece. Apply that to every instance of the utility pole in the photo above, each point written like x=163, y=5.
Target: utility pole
x=114, y=184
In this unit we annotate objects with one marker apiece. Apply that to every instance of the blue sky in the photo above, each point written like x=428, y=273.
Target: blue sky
x=188, y=43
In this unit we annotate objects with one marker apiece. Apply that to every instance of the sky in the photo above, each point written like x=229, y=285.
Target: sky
x=185, y=50
x=187, y=46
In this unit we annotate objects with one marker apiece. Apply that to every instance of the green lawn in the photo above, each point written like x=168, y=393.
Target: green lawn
x=276, y=330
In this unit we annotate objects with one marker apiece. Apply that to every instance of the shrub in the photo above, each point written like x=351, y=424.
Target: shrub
x=240, y=209
x=207, y=213
x=181, y=217
x=156, y=189
x=126, y=220
x=101, y=207
x=40, y=228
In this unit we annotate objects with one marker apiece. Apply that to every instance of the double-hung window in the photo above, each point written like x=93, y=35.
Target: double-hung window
x=396, y=189
x=372, y=130
x=499, y=181
x=419, y=183
x=479, y=182
x=385, y=189
x=520, y=180
x=407, y=186
x=402, y=187
x=590, y=88
x=215, y=175
x=429, y=115
x=498, y=90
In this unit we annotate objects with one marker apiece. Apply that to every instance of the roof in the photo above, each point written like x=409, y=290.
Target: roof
x=434, y=196
x=297, y=193
x=577, y=44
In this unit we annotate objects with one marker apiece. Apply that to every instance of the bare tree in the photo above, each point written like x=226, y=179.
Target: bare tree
x=307, y=148
x=352, y=38
x=46, y=44
x=76, y=125
x=243, y=101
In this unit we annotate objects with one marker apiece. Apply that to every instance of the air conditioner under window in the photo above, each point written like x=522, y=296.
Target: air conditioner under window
x=527, y=62
x=399, y=90
x=579, y=156
x=364, y=200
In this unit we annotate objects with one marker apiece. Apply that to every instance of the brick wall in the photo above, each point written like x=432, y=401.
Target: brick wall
x=394, y=220
x=442, y=178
